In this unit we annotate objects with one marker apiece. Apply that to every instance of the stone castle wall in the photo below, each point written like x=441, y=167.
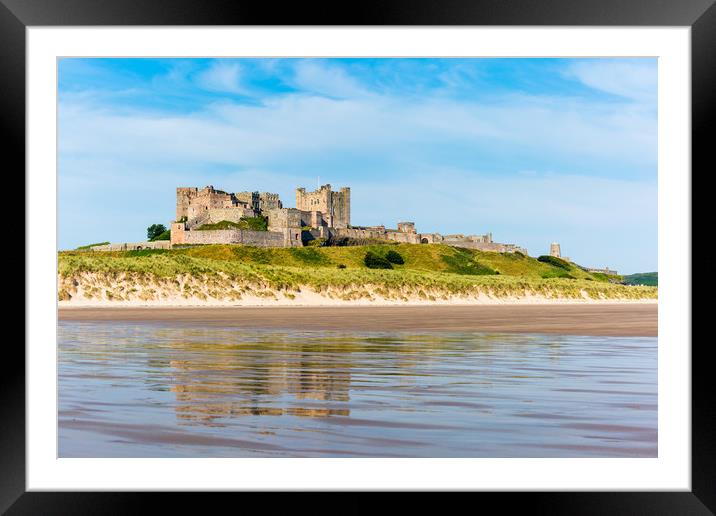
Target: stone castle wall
x=227, y=236
x=284, y=218
x=403, y=238
x=487, y=246
x=231, y=214
x=368, y=232
x=481, y=239
x=133, y=246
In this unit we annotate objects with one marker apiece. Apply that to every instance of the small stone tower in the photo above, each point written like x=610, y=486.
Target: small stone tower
x=406, y=227
x=554, y=250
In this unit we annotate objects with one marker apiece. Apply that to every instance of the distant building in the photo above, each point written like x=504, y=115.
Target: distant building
x=556, y=251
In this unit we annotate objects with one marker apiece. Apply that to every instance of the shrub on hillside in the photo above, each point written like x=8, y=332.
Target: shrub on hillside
x=373, y=261
x=246, y=223
x=254, y=223
x=316, y=242
x=341, y=265
x=556, y=274
x=394, y=257
x=553, y=260
x=349, y=241
x=224, y=224
x=463, y=262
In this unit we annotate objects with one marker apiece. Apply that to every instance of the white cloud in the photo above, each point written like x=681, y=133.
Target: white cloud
x=222, y=76
x=251, y=135
x=320, y=79
x=632, y=79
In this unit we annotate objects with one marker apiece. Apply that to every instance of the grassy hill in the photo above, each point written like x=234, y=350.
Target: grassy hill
x=429, y=271
x=426, y=257
x=642, y=278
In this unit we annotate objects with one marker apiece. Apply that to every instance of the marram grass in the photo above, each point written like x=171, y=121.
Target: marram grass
x=223, y=272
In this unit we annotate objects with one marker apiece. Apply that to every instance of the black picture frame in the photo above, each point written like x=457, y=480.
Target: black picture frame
x=700, y=15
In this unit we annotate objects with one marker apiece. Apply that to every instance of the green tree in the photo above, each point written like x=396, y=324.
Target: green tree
x=167, y=235
x=155, y=230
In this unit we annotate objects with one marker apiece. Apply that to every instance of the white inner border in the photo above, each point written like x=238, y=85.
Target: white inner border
x=671, y=470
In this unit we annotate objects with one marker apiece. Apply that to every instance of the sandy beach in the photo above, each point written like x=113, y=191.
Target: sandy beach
x=616, y=319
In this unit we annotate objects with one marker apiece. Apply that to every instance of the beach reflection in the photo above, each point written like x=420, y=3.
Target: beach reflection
x=148, y=390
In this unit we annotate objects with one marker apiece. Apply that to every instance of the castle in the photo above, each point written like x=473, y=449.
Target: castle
x=321, y=214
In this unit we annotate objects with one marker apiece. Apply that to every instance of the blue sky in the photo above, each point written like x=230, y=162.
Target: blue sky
x=532, y=150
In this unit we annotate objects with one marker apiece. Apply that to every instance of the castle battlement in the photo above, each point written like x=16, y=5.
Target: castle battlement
x=322, y=213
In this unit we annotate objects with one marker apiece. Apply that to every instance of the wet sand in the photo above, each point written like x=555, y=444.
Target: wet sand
x=589, y=319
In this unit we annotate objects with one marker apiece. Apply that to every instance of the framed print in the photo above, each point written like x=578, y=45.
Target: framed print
x=434, y=249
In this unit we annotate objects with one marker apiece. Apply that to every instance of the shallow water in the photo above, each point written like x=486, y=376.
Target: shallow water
x=144, y=390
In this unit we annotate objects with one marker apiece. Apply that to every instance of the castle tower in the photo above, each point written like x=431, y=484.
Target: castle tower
x=406, y=227
x=554, y=250
x=184, y=197
x=334, y=206
x=344, y=200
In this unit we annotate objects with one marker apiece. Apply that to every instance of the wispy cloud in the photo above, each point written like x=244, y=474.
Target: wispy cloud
x=320, y=79
x=634, y=79
x=250, y=135
x=222, y=77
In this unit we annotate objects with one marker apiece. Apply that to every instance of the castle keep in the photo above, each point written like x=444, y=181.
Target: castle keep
x=321, y=214
x=334, y=207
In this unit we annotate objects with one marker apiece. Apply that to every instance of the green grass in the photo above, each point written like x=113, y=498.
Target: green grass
x=145, y=252
x=557, y=274
x=435, y=270
x=463, y=262
x=423, y=257
x=553, y=260
x=350, y=241
x=246, y=223
x=642, y=278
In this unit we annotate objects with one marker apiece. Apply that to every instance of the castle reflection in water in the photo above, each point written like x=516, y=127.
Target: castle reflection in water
x=271, y=376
